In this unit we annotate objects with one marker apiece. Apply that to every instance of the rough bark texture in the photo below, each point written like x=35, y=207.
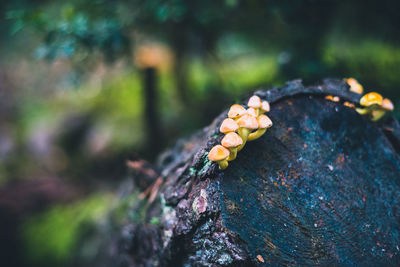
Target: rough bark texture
x=321, y=187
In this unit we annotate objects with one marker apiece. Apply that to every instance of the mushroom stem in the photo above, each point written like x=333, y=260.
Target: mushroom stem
x=261, y=111
x=377, y=114
x=257, y=134
x=363, y=111
x=233, y=153
x=223, y=164
x=244, y=133
x=219, y=154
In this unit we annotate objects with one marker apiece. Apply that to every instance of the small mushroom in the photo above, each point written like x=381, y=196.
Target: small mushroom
x=232, y=141
x=220, y=155
x=387, y=104
x=255, y=103
x=378, y=113
x=371, y=99
x=236, y=111
x=264, y=122
x=246, y=123
x=355, y=86
x=264, y=107
x=348, y=104
x=228, y=125
x=371, y=102
x=375, y=105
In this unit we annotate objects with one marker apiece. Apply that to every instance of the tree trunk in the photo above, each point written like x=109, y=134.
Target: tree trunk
x=321, y=187
x=155, y=137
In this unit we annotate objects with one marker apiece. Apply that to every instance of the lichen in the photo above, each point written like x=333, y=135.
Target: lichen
x=200, y=203
x=211, y=247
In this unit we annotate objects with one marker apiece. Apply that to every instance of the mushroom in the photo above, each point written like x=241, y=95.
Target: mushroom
x=348, y=104
x=370, y=101
x=246, y=123
x=264, y=107
x=255, y=103
x=232, y=141
x=228, y=125
x=355, y=86
x=375, y=105
x=387, y=105
x=220, y=155
x=236, y=111
x=264, y=122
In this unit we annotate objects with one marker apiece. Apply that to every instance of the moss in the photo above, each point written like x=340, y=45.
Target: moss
x=125, y=205
x=215, y=136
x=192, y=171
x=206, y=163
x=154, y=221
x=51, y=238
x=205, y=159
x=138, y=213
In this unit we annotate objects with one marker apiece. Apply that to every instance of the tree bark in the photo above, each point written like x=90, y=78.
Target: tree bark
x=321, y=187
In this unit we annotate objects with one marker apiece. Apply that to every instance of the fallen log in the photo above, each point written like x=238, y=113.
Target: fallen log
x=321, y=187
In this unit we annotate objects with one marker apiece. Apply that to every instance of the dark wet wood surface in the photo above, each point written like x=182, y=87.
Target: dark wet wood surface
x=322, y=186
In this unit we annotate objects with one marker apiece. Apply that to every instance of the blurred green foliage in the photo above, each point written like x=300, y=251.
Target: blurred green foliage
x=378, y=59
x=72, y=31
x=52, y=238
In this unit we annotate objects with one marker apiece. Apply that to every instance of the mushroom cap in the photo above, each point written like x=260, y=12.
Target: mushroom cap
x=228, y=125
x=252, y=112
x=265, y=106
x=248, y=121
x=332, y=98
x=387, y=104
x=370, y=99
x=254, y=102
x=236, y=111
x=218, y=153
x=329, y=97
x=264, y=121
x=231, y=140
x=348, y=104
x=355, y=86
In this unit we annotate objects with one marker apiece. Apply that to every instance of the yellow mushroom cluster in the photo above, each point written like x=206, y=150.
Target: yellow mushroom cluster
x=374, y=105
x=242, y=125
